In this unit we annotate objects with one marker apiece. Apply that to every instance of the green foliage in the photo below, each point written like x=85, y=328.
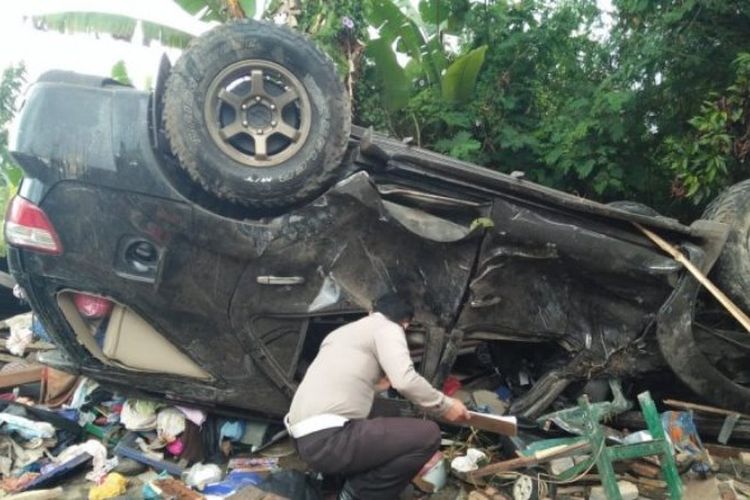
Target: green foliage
x=391, y=77
x=649, y=107
x=338, y=27
x=404, y=36
x=120, y=73
x=10, y=175
x=218, y=10
x=599, y=116
x=674, y=56
x=461, y=76
x=419, y=39
x=715, y=153
x=119, y=26
x=462, y=146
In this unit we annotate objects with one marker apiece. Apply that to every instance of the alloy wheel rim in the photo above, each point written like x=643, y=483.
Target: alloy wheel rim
x=258, y=113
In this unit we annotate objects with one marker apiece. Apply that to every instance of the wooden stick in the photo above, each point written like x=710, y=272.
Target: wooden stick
x=702, y=408
x=536, y=458
x=679, y=257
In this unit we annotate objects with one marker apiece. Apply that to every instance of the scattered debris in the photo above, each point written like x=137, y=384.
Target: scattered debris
x=434, y=475
x=626, y=489
x=72, y=431
x=469, y=462
x=489, y=493
x=730, y=417
x=113, y=485
x=200, y=475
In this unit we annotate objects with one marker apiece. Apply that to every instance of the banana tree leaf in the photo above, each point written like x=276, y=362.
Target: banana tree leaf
x=407, y=7
x=413, y=71
x=120, y=73
x=393, y=25
x=434, y=12
x=218, y=10
x=206, y=10
x=461, y=76
x=394, y=84
x=435, y=54
x=248, y=6
x=169, y=37
x=119, y=26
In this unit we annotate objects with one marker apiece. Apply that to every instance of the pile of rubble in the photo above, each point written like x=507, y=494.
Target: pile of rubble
x=64, y=436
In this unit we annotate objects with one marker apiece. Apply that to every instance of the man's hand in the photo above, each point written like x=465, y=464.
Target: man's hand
x=382, y=385
x=457, y=412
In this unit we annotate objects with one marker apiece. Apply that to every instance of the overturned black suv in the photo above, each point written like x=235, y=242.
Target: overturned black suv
x=198, y=242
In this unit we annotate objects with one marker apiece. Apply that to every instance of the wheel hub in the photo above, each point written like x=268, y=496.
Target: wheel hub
x=261, y=116
x=258, y=113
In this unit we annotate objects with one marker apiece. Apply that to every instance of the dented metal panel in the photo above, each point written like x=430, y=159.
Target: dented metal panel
x=486, y=259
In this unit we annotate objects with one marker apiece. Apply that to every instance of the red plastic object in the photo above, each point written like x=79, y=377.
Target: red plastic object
x=451, y=385
x=92, y=306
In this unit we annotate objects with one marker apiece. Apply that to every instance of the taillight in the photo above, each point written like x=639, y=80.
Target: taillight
x=92, y=306
x=26, y=225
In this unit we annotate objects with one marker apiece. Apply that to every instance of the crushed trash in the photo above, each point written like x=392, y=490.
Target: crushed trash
x=21, y=334
x=684, y=437
x=95, y=450
x=26, y=428
x=434, y=475
x=468, y=462
x=113, y=485
x=627, y=490
x=64, y=431
x=200, y=475
x=235, y=481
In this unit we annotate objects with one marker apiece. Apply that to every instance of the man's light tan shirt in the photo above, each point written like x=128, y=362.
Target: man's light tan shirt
x=341, y=380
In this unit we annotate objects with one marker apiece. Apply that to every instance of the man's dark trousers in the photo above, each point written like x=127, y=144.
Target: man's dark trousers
x=377, y=456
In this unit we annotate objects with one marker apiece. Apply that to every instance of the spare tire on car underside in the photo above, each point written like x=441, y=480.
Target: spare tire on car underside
x=721, y=382
x=732, y=270
x=257, y=115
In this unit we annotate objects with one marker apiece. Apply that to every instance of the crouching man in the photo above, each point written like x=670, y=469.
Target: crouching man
x=328, y=415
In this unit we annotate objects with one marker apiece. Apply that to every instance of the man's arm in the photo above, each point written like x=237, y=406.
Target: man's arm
x=393, y=356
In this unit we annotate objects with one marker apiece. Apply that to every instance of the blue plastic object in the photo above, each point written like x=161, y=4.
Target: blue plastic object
x=57, y=472
x=69, y=413
x=232, y=430
x=503, y=393
x=235, y=480
x=126, y=448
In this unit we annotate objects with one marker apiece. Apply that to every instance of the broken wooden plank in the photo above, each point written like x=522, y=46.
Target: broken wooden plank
x=719, y=451
x=709, y=425
x=685, y=405
x=644, y=469
x=489, y=493
x=730, y=306
x=727, y=490
x=21, y=376
x=524, y=462
x=650, y=488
